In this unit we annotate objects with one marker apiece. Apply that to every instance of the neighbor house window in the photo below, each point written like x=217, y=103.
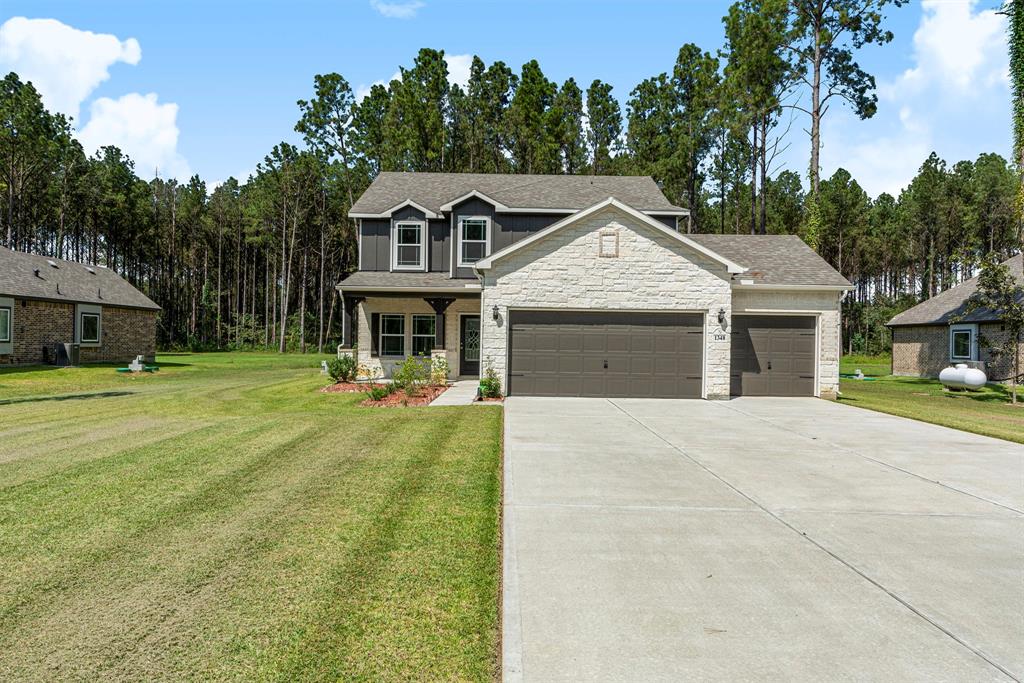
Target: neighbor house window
x=409, y=250
x=422, y=334
x=5, y=325
x=472, y=240
x=90, y=328
x=962, y=342
x=392, y=334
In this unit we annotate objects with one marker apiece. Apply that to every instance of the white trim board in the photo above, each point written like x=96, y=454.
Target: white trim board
x=401, y=205
x=488, y=262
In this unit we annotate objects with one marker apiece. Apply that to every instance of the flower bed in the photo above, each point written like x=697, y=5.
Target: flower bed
x=400, y=398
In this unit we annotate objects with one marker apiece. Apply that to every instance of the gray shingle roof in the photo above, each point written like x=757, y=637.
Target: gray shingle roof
x=942, y=308
x=774, y=259
x=432, y=190
x=75, y=282
x=367, y=279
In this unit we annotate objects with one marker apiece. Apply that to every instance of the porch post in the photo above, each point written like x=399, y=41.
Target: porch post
x=348, y=319
x=440, y=305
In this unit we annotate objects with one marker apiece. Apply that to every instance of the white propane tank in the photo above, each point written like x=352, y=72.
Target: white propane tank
x=963, y=377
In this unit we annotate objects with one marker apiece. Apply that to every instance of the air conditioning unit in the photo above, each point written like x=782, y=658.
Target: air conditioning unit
x=61, y=355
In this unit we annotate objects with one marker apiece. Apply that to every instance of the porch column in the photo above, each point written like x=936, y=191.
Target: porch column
x=440, y=305
x=348, y=319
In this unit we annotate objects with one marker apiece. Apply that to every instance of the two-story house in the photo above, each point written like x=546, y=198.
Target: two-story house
x=584, y=286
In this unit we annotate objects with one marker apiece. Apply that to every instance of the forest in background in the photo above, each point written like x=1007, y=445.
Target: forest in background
x=253, y=263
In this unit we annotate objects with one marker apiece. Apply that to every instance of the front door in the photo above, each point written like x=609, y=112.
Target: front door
x=469, y=345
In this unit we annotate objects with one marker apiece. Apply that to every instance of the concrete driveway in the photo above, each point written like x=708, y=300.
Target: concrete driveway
x=754, y=539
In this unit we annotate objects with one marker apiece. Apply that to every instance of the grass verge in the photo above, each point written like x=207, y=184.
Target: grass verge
x=986, y=412
x=222, y=519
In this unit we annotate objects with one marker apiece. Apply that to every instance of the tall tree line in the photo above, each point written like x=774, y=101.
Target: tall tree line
x=253, y=262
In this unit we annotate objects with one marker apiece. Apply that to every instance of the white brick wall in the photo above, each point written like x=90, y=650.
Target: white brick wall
x=823, y=304
x=652, y=272
x=407, y=307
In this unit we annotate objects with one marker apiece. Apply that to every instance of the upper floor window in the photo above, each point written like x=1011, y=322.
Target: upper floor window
x=474, y=239
x=409, y=246
x=5, y=325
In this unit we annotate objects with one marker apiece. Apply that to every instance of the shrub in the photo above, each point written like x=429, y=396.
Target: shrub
x=490, y=385
x=379, y=392
x=439, y=371
x=411, y=375
x=342, y=369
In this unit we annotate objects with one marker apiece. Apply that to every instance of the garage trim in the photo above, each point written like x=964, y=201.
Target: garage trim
x=704, y=313
x=754, y=312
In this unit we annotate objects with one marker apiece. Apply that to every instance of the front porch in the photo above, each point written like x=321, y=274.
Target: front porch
x=382, y=329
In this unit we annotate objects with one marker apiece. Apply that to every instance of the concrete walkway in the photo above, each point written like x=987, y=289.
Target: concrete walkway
x=757, y=539
x=460, y=393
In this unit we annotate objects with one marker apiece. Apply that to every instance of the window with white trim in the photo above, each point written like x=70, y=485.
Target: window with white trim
x=409, y=250
x=90, y=328
x=962, y=342
x=422, y=334
x=392, y=334
x=5, y=325
x=474, y=233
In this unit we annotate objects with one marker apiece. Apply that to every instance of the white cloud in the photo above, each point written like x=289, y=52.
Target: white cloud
x=957, y=48
x=953, y=100
x=364, y=90
x=67, y=64
x=144, y=129
x=397, y=10
x=458, y=69
x=64, y=63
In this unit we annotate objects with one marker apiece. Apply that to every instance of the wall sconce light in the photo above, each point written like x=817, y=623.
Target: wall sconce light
x=494, y=313
x=721, y=317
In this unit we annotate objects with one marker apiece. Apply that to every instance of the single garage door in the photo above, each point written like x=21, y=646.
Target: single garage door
x=597, y=353
x=772, y=355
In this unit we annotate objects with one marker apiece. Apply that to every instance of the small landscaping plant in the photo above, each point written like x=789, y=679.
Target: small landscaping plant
x=411, y=375
x=379, y=392
x=490, y=385
x=342, y=369
x=439, y=371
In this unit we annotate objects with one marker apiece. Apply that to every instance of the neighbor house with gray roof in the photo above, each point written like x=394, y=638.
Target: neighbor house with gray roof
x=47, y=301
x=584, y=286
x=939, y=332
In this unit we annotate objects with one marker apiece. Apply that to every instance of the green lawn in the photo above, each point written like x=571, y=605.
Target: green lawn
x=984, y=412
x=222, y=519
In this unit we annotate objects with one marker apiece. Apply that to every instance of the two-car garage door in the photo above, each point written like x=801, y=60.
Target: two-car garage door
x=655, y=355
x=603, y=353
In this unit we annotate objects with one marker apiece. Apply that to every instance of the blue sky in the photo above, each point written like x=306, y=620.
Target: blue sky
x=209, y=87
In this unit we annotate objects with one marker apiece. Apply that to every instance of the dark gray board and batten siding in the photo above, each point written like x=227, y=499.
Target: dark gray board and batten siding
x=375, y=241
x=506, y=229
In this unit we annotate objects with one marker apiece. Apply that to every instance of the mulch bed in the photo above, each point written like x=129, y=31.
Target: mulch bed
x=399, y=398
x=499, y=399
x=345, y=387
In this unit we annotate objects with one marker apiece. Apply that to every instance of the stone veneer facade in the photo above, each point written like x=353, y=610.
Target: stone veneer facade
x=125, y=332
x=652, y=272
x=923, y=351
x=382, y=367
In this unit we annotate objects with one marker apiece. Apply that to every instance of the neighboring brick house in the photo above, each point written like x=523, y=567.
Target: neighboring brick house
x=584, y=286
x=46, y=301
x=936, y=333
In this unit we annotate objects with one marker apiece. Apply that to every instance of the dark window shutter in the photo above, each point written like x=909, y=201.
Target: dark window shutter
x=374, y=334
